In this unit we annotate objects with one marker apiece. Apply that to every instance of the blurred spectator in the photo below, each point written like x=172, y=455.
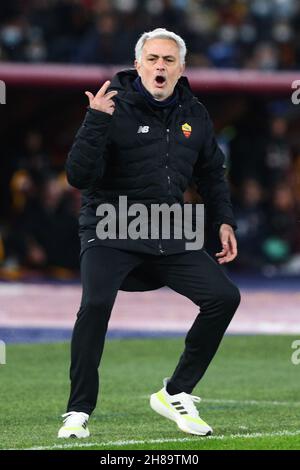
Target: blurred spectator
x=260, y=147
x=258, y=135
x=14, y=38
x=277, y=155
x=259, y=34
x=264, y=57
x=252, y=228
x=31, y=165
x=282, y=218
x=99, y=43
x=44, y=235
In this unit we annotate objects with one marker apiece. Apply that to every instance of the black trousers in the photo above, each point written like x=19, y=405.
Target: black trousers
x=193, y=274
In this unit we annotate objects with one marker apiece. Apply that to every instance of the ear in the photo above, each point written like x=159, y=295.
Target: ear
x=182, y=69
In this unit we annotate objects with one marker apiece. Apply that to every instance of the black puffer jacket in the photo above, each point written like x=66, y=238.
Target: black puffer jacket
x=136, y=153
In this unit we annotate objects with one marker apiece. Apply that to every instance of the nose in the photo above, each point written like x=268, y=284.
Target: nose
x=160, y=66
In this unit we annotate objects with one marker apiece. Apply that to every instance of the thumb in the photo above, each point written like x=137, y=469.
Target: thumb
x=89, y=95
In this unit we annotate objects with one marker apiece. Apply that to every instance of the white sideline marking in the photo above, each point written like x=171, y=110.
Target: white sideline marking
x=161, y=441
x=253, y=402
x=243, y=402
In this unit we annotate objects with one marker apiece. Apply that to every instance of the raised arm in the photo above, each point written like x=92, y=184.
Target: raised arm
x=87, y=157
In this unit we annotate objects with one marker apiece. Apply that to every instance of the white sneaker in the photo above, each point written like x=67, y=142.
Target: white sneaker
x=75, y=425
x=181, y=409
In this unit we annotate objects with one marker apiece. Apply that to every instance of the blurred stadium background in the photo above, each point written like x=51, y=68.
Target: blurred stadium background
x=243, y=58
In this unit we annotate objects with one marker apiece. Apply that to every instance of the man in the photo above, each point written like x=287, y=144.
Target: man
x=147, y=137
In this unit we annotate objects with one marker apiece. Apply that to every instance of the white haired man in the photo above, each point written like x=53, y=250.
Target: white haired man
x=146, y=136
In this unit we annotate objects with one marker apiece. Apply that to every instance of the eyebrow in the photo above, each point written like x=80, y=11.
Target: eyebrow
x=164, y=57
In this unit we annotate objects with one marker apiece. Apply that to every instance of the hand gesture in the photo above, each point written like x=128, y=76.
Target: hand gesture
x=102, y=101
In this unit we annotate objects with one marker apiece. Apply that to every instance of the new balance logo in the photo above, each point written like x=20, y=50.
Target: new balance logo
x=143, y=129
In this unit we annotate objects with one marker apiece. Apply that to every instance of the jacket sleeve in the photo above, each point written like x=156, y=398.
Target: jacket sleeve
x=210, y=179
x=86, y=160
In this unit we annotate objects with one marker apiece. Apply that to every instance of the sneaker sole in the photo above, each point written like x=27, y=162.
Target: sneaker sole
x=73, y=436
x=162, y=410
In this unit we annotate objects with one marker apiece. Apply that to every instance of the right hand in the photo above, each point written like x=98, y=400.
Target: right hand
x=102, y=101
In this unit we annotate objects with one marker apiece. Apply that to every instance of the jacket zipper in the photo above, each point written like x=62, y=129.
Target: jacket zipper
x=167, y=158
x=160, y=247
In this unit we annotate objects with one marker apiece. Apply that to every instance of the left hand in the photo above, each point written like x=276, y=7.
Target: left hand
x=229, y=245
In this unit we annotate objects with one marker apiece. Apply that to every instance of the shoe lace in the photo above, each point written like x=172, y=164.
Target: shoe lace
x=188, y=403
x=74, y=418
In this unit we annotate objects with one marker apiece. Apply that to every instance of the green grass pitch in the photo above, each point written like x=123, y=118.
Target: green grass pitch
x=250, y=396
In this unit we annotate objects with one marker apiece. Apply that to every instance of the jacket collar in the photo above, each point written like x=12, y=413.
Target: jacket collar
x=123, y=83
x=170, y=101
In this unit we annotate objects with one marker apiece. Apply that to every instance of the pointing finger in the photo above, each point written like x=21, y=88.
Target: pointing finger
x=103, y=89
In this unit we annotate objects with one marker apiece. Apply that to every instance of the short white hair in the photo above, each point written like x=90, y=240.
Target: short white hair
x=160, y=33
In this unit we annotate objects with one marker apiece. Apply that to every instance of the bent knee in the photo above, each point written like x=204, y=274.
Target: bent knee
x=230, y=297
x=97, y=305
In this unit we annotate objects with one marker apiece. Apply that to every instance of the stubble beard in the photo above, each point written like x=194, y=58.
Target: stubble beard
x=158, y=96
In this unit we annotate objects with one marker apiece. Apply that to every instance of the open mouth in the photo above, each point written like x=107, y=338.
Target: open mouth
x=160, y=80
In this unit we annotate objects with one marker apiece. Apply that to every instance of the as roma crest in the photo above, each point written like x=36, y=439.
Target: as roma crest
x=186, y=129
